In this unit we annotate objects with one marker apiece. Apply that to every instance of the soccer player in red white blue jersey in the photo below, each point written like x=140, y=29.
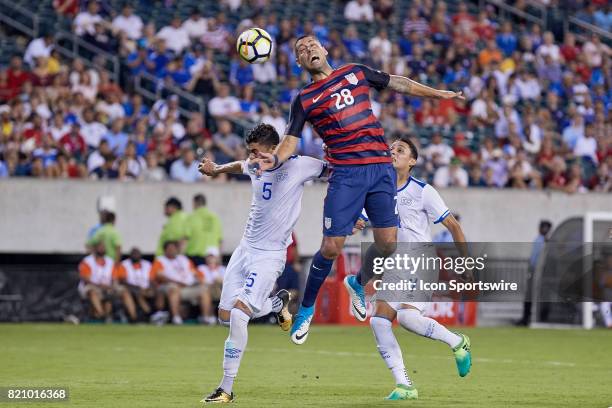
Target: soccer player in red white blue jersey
x=337, y=105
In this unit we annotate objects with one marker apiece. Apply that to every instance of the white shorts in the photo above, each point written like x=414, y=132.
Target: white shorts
x=250, y=277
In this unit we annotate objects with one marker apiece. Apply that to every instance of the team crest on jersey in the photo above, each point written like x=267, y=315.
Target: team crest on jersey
x=280, y=176
x=352, y=78
x=327, y=222
x=406, y=201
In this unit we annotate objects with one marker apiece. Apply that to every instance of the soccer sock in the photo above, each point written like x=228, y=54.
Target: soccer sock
x=234, y=348
x=412, y=320
x=367, y=267
x=389, y=349
x=319, y=270
x=271, y=304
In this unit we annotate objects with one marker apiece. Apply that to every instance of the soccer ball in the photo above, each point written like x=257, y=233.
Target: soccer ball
x=254, y=46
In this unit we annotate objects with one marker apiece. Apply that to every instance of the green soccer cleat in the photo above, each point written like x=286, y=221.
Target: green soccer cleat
x=403, y=392
x=218, y=396
x=463, y=355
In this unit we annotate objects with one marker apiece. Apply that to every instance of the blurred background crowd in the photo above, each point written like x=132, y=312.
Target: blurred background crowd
x=536, y=114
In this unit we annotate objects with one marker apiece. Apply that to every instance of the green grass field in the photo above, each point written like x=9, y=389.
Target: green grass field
x=146, y=366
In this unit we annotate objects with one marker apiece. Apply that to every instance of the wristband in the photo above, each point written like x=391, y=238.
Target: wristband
x=275, y=160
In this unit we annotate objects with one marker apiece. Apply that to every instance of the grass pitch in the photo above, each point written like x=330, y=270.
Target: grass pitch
x=146, y=366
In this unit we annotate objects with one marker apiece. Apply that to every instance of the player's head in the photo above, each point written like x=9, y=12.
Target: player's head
x=404, y=154
x=310, y=54
x=262, y=138
x=99, y=248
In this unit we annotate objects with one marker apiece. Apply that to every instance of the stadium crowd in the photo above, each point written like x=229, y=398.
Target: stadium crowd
x=186, y=273
x=536, y=113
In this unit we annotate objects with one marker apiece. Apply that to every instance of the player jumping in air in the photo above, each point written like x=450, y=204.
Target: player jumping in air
x=418, y=205
x=260, y=258
x=337, y=105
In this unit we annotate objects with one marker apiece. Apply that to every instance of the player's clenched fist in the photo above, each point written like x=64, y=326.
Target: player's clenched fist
x=207, y=167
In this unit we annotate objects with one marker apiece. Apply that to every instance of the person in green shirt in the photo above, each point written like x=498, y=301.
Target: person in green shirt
x=109, y=235
x=203, y=231
x=175, y=227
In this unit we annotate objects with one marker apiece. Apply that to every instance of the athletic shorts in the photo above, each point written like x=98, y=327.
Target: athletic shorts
x=191, y=294
x=250, y=277
x=418, y=298
x=353, y=188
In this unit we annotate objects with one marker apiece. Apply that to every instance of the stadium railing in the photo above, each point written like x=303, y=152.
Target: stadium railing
x=583, y=30
x=18, y=18
x=538, y=16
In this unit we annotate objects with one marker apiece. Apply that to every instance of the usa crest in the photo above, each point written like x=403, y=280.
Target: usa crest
x=351, y=78
x=327, y=223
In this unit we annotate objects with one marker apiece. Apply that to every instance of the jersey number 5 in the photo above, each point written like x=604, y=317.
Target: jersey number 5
x=267, y=191
x=346, y=96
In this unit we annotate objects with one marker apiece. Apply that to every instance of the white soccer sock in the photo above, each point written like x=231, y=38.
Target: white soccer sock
x=234, y=347
x=414, y=321
x=389, y=349
x=271, y=304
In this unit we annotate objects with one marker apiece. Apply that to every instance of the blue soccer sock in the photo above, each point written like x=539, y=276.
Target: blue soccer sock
x=319, y=269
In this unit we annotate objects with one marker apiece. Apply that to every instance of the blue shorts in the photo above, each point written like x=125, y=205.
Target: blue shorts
x=353, y=188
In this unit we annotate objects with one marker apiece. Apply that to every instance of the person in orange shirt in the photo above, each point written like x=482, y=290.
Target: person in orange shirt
x=178, y=280
x=135, y=275
x=97, y=273
x=489, y=54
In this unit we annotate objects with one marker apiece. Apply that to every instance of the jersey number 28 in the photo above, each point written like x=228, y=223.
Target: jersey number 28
x=345, y=96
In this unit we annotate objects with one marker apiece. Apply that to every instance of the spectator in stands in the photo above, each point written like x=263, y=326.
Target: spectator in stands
x=227, y=145
x=72, y=143
x=153, y=171
x=204, y=82
x=117, y=138
x=175, y=228
x=224, y=105
x=106, y=171
x=185, y=169
x=415, y=23
x=178, y=280
x=204, y=232
x=137, y=59
x=241, y=73
x=273, y=116
x=128, y=23
x=355, y=46
x=85, y=21
x=359, y=10
x=96, y=273
x=68, y=8
x=196, y=25
x=136, y=277
x=438, y=152
x=175, y=36
x=217, y=37
x=38, y=47
x=452, y=175
x=380, y=49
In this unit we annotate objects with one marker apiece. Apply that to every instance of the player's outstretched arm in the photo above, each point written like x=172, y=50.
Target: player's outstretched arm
x=456, y=231
x=285, y=148
x=210, y=168
x=407, y=86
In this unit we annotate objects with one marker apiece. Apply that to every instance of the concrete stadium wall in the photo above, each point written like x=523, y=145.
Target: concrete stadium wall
x=38, y=216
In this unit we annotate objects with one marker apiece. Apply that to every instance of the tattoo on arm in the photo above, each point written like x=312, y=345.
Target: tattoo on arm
x=400, y=84
x=407, y=86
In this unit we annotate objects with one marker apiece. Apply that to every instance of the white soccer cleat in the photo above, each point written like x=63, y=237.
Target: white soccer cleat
x=301, y=324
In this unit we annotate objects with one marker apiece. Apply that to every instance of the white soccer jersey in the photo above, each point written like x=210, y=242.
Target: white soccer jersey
x=277, y=201
x=418, y=204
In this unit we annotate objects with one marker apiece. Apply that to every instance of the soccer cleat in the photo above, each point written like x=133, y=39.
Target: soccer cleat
x=301, y=324
x=463, y=355
x=355, y=291
x=403, y=392
x=284, y=317
x=218, y=396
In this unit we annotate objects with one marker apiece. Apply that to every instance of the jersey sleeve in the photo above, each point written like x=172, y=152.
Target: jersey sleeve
x=436, y=209
x=297, y=118
x=84, y=270
x=311, y=168
x=376, y=79
x=156, y=270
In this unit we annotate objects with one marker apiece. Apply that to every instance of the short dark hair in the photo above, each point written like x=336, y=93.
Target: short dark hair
x=168, y=243
x=200, y=199
x=301, y=37
x=413, y=149
x=264, y=134
x=175, y=202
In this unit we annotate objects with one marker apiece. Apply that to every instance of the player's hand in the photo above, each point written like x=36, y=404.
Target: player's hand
x=207, y=167
x=264, y=161
x=360, y=224
x=451, y=95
